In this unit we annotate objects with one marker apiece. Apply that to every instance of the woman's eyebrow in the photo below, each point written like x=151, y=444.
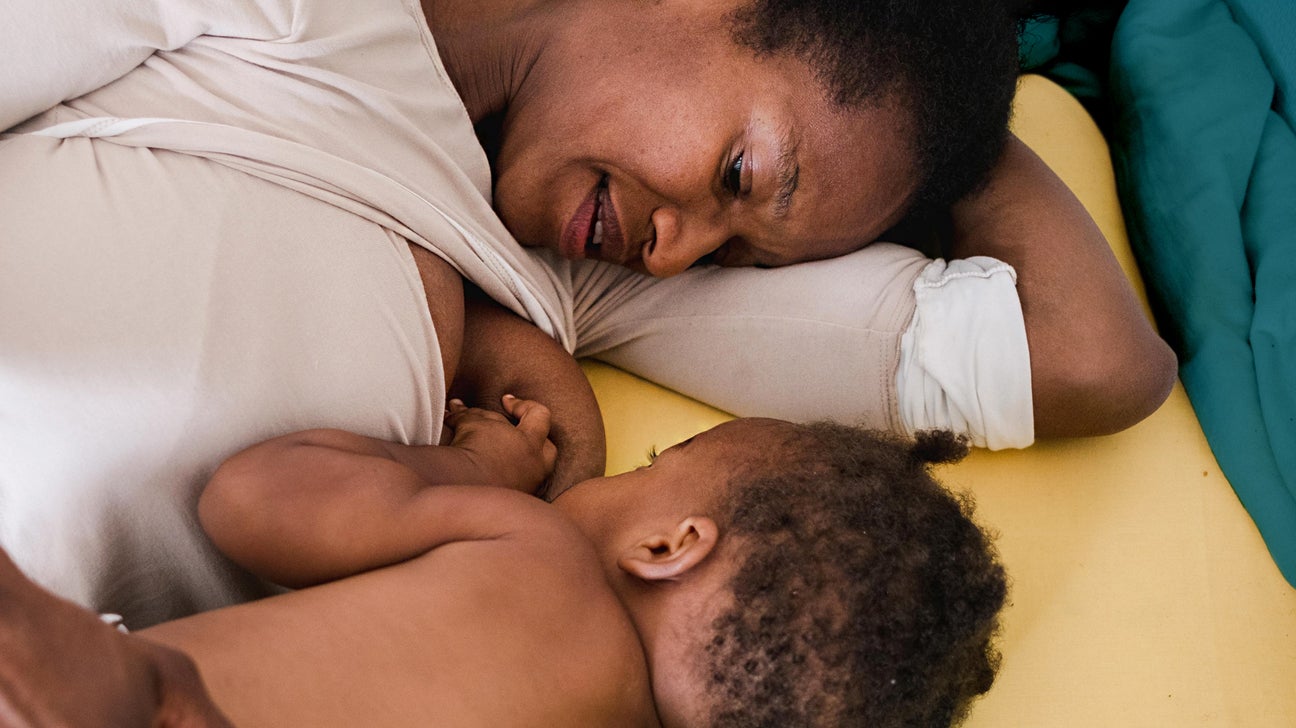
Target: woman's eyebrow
x=787, y=171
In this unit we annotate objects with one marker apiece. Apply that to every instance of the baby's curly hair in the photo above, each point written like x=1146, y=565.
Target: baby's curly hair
x=864, y=595
x=953, y=64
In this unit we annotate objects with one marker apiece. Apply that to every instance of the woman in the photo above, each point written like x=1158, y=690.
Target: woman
x=225, y=222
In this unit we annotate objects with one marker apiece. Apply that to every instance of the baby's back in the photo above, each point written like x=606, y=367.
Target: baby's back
x=517, y=630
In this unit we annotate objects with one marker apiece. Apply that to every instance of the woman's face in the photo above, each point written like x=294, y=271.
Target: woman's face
x=646, y=136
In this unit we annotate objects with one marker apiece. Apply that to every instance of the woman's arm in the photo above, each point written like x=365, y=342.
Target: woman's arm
x=60, y=665
x=1097, y=365
x=824, y=339
x=319, y=505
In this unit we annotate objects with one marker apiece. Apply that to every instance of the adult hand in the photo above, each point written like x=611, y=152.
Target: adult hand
x=517, y=456
x=60, y=665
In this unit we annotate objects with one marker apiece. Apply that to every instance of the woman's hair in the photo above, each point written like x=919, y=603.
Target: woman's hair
x=863, y=592
x=953, y=65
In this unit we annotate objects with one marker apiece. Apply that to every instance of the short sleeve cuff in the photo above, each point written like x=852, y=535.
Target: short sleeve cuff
x=964, y=361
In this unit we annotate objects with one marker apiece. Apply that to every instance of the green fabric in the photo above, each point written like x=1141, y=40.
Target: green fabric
x=1206, y=160
x=1073, y=49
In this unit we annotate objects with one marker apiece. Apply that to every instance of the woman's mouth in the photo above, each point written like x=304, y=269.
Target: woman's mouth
x=594, y=231
x=594, y=237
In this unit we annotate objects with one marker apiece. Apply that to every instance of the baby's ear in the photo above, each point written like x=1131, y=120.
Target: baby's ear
x=672, y=553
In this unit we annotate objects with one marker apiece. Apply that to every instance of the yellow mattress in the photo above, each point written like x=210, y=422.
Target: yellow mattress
x=1142, y=594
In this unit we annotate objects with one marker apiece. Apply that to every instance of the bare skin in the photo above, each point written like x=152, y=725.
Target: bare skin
x=62, y=666
x=473, y=605
x=445, y=604
x=590, y=610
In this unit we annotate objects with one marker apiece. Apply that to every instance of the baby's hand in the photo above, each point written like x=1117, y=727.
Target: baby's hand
x=517, y=456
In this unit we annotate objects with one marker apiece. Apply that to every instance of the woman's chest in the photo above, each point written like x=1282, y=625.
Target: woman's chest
x=443, y=288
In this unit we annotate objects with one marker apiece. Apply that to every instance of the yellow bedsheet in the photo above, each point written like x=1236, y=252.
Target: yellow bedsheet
x=1142, y=594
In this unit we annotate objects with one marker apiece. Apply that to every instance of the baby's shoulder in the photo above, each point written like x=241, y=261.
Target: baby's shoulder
x=553, y=581
x=542, y=559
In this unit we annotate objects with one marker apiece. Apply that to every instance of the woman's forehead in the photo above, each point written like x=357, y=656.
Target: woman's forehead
x=854, y=167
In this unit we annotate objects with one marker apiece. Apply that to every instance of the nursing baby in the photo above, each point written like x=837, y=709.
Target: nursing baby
x=759, y=574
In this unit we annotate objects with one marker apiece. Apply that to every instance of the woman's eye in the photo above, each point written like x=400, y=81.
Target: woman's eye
x=733, y=177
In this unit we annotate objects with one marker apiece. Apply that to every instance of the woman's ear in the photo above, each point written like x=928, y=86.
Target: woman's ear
x=671, y=554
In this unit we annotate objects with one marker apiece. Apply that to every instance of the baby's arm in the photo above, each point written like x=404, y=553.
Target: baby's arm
x=1097, y=365
x=323, y=504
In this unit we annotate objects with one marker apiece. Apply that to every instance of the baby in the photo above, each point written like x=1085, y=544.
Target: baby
x=759, y=574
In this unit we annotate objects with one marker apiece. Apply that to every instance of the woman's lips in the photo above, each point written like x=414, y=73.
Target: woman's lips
x=594, y=230
x=580, y=227
x=608, y=243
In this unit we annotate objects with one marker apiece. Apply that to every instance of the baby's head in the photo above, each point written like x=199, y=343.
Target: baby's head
x=801, y=575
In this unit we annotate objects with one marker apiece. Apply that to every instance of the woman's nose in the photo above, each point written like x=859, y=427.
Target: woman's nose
x=679, y=242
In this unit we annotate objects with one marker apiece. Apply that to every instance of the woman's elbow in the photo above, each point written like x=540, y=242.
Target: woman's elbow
x=1148, y=379
x=1104, y=393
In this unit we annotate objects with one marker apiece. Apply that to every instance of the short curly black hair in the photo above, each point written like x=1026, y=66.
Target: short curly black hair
x=864, y=593
x=952, y=63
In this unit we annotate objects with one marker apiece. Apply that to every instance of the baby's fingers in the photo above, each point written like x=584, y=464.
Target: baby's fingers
x=549, y=454
x=457, y=413
x=532, y=417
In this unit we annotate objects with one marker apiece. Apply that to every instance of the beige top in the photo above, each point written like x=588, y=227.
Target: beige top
x=159, y=312
x=351, y=108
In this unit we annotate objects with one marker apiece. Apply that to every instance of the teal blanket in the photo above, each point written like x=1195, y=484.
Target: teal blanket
x=1203, y=100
